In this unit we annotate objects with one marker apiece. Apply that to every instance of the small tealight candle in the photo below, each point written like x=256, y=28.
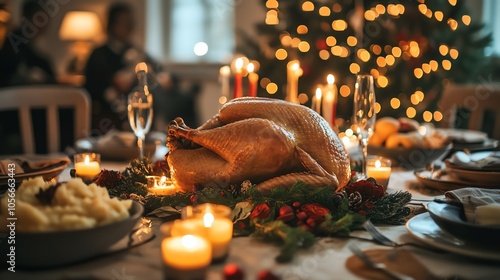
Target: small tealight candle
x=186, y=257
x=160, y=185
x=380, y=169
x=210, y=221
x=87, y=165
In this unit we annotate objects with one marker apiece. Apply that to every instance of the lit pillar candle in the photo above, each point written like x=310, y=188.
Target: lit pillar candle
x=224, y=74
x=238, y=87
x=316, y=102
x=210, y=221
x=160, y=185
x=329, y=106
x=87, y=165
x=380, y=169
x=293, y=74
x=186, y=257
x=252, y=80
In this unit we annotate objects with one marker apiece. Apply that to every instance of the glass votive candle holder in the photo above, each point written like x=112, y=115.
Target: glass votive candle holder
x=186, y=257
x=380, y=169
x=160, y=185
x=87, y=165
x=212, y=221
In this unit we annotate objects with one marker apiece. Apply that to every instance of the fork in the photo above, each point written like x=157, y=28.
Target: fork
x=380, y=266
x=383, y=240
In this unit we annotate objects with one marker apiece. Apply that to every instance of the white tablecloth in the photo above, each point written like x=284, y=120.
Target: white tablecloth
x=325, y=260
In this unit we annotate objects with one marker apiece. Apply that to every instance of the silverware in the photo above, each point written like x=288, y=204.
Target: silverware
x=383, y=240
x=380, y=266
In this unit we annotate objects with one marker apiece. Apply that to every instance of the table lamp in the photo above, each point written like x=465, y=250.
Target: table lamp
x=81, y=27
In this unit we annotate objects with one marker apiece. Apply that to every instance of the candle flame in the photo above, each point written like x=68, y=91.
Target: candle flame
x=330, y=79
x=188, y=241
x=319, y=93
x=250, y=67
x=86, y=160
x=163, y=179
x=239, y=63
x=225, y=70
x=295, y=66
x=208, y=219
x=378, y=164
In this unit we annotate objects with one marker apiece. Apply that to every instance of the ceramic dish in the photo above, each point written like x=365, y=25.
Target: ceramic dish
x=423, y=228
x=490, y=178
x=451, y=219
x=47, y=173
x=464, y=136
x=446, y=182
x=410, y=158
x=49, y=249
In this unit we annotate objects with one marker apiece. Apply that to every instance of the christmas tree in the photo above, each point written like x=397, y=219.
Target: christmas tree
x=412, y=48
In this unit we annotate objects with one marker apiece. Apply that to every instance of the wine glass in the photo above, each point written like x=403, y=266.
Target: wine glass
x=140, y=115
x=364, y=113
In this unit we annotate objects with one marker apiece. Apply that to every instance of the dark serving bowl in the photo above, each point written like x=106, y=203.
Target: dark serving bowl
x=49, y=249
x=410, y=158
x=451, y=219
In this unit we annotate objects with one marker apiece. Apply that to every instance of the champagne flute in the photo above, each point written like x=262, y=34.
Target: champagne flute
x=140, y=108
x=364, y=113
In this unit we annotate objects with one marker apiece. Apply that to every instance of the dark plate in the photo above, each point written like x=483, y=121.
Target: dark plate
x=409, y=158
x=451, y=219
x=50, y=249
x=488, y=144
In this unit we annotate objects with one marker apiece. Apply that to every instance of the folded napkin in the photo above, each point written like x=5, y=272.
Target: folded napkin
x=401, y=261
x=25, y=164
x=115, y=138
x=481, y=206
x=484, y=161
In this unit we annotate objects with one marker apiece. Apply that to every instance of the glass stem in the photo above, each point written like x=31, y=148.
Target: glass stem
x=364, y=151
x=139, y=144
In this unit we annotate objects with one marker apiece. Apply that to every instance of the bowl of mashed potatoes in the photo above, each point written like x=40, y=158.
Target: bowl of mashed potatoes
x=62, y=223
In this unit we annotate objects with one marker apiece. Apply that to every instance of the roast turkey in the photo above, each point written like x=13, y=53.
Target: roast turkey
x=272, y=143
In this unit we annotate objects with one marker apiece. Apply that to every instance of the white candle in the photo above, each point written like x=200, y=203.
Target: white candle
x=380, y=170
x=293, y=74
x=188, y=252
x=329, y=107
x=316, y=104
x=87, y=168
x=160, y=185
x=224, y=74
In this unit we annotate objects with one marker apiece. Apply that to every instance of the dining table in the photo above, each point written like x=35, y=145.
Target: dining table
x=327, y=259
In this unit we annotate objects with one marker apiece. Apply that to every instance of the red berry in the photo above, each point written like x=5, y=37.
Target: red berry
x=267, y=275
x=222, y=193
x=311, y=222
x=285, y=210
x=301, y=215
x=233, y=272
x=296, y=204
x=306, y=227
x=193, y=198
x=286, y=218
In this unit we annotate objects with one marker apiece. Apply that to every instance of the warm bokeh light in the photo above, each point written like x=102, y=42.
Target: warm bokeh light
x=324, y=54
x=364, y=55
x=222, y=100
x=286, y=40
x=382, y=81
x=396, y=51
x=418, y=72
x=352, y=41
x=331, y=41
x=411, y=112
x=272, y=4
x=438, y=15
x=452, y=2
x=304, y=46
x=336, y=50
x=281, y=54
x=376, y=49
x=381, y=61
x=345, y=91
x=377, y=107
x=466, y=19
x=272, y=88
x=395, y=103
x=446, y=64
x=427, y=116
x=370, y=15
x=295, y=42
x=443, y=50
x=354, y=68
x=390, y=60
x=380, y=9
x=339, y=25
x=427, y=68
x=438, y=116
x=324, y=11
x=264, y=82
x=434, y=65
x=414, y=99
x=374, y=73
x=454, y=53
x=303, y=98
x=452, y=23
x=420, y=95
x=307, y=6
x=302, y=29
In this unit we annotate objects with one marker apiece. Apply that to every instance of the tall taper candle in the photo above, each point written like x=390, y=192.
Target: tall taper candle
x=252, y=80
x=293, y=73
x=317, y=100
x=329, y=107
x=238, y=87
x=224, y=74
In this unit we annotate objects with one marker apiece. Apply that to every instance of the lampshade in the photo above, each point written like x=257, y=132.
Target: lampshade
x=81, y=26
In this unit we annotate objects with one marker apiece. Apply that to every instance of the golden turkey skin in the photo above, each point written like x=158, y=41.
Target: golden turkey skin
x=272, y=143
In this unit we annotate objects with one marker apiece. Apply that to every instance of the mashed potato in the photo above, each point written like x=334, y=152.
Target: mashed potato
x=73, y=206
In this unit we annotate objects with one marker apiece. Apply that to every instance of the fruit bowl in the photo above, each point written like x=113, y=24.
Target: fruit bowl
x=410, y=158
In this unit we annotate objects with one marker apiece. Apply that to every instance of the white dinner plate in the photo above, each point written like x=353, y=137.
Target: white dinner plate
x=424, y=229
